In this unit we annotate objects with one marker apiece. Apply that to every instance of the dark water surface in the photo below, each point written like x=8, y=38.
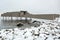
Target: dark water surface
x=7, y=23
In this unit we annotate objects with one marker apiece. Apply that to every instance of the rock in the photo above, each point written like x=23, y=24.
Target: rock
x=54, y=34
x=24, y=32
x=56, y=27
x=43, y=22
x=59, y=33
x=36, y=34
x=7, y=30
x=58, y=37
x=36, y=23
x=20, y=24
x=25, y=37
x=0, y=36
x=39, y=29
x=47, y=34
x=46, y=38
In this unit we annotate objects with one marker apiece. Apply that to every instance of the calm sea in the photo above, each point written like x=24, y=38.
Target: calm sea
x=7, y=23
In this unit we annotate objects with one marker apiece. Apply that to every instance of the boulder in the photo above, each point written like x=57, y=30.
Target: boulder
x=20, y=24
x=36, y=23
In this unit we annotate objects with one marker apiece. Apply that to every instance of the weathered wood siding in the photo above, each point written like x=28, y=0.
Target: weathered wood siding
x=40, y=16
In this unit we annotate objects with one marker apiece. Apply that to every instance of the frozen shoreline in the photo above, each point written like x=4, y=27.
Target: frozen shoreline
x=46, y=31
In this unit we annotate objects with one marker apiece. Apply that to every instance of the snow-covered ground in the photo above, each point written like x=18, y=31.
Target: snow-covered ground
x=48, y=30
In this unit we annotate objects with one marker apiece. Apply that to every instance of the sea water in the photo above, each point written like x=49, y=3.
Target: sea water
x=6, y=23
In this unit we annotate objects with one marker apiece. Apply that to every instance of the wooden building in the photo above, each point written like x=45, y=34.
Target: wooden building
x=27, y=14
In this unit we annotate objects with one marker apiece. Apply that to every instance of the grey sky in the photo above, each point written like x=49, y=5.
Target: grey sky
x=34, y=6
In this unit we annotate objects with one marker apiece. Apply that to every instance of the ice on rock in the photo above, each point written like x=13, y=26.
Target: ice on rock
x=50, y=37
x=40, y=38
x=28, y=34
x=29, y=38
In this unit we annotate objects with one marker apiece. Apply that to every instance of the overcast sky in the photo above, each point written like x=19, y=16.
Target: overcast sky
x=33, y=6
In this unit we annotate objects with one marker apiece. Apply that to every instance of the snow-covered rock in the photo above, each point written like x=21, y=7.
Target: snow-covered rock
x=47, y=31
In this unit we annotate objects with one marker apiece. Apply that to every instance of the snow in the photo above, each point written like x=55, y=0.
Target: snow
x=48, y=30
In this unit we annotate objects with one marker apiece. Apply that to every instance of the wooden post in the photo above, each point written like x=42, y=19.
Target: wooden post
x=6, y=18
x=20, y=18
x=53, y=17
x=3, y=18
x=17, y=19
x=11, y=18
x=58, y=18
x=25, y=19
x=30, y=19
